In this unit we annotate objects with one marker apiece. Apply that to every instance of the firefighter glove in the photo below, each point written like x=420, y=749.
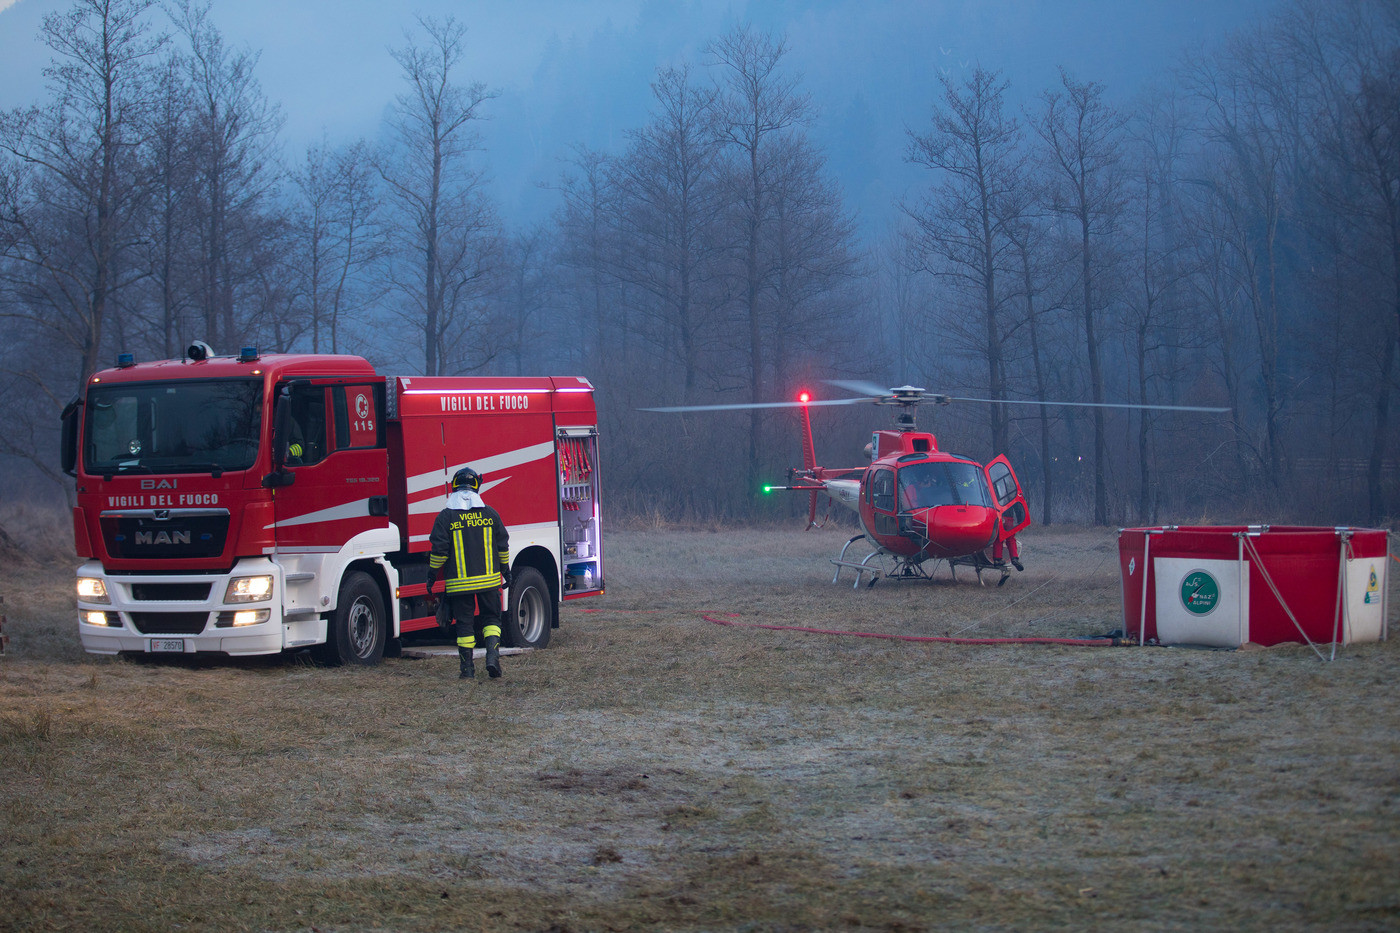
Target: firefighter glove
x=505, y=576
x=431, y=599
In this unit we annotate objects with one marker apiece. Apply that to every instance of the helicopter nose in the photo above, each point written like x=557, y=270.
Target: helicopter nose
x=958, y=529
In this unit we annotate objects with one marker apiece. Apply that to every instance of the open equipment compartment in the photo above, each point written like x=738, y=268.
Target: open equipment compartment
x=578, y=510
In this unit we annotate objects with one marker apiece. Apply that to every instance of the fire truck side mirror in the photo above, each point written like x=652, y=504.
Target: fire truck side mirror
x=70, y=436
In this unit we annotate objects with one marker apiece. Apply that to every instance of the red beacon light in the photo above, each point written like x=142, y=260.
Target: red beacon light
x=804, y=397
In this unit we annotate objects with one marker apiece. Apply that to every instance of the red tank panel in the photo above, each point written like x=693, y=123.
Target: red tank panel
x=502, y=427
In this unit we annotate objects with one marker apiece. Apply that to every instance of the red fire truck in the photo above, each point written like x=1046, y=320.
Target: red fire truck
x=257, y=504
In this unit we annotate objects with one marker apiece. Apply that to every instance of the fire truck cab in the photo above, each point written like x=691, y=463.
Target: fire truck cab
x=258, y=504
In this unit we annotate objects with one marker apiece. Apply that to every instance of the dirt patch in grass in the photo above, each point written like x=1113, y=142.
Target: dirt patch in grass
x=653, y=769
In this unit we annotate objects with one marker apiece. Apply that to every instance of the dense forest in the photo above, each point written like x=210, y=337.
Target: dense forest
x=1230, y=238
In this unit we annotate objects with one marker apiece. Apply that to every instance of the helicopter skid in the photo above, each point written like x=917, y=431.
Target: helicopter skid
x=907, y=569
x=904, y=569
x=979, y=562
x=860, y=567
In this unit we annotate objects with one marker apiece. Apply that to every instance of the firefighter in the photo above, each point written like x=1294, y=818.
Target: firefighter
x=1012, y=548
x=469, y=539
x=306, y=430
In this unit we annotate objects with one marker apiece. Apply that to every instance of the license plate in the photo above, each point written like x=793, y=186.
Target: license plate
x=176, y=645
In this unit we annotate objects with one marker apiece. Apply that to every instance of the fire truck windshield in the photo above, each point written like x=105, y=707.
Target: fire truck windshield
x=195, y=426
x=942, y=482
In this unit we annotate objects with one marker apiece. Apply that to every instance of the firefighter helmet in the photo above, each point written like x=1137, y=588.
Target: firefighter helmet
x=466, y=478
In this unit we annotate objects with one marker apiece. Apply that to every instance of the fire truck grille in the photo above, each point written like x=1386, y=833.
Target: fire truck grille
x=169, y=623
x=144, y=536
x=170, y=592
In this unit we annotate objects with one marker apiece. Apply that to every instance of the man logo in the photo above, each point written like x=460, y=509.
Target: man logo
x=162, y=537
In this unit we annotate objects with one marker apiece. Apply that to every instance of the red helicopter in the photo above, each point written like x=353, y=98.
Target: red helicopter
x=917, y=503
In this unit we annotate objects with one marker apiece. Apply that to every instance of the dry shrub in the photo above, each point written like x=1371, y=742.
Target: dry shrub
x=35, y=533
x=28, y=727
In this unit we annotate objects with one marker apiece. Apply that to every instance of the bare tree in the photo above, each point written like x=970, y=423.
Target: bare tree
x=814, y=264
x=1347, y=57
x=339, y=229
x=1082, y=135
x=234, y=128
x=1027, y=236
x=668, y=183
x=79, y=190
x=445, y=227
x=588, y=222
x=1217, y=301
x=524, y=299
x=900, y=291
x=974, y=146
x=170, y=246
x=759, y=104
x=1157, y=273
x=1375, y=132
x=1253, y=124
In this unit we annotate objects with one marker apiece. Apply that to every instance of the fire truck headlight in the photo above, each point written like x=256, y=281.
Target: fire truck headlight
x=250, y=616
x=92, y=590
x=249, y=589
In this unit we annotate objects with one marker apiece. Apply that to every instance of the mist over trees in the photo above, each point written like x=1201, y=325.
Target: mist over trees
x=1230, y=238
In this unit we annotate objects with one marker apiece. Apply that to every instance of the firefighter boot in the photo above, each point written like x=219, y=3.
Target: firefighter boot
x=468, y=670
x=493, y=655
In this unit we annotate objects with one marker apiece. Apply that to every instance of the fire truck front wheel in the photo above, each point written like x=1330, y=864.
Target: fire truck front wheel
x=529, y=615
x=355, y=632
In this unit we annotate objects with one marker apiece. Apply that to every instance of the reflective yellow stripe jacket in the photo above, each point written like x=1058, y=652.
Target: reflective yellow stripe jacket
x=473, y=547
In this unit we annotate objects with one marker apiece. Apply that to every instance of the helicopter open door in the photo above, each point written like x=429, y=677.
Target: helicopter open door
x=1006, y=491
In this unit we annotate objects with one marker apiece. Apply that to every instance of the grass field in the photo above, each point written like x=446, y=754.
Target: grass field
x=653, y=769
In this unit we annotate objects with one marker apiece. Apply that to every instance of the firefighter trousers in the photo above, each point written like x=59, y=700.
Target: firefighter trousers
x=477, y=614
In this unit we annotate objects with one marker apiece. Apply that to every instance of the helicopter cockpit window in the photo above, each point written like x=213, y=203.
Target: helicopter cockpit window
x=924, y=485
x=882, y=490
x=1003, y=482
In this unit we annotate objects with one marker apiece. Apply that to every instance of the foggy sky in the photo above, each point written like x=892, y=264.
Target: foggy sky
x=579, y=72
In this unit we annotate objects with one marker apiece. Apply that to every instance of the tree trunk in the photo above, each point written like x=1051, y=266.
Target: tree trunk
x=1096, y=385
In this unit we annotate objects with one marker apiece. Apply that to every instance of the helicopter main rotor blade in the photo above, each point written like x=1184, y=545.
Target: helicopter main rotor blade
x=1027, y=401
x=743, y=406
x=860, y=386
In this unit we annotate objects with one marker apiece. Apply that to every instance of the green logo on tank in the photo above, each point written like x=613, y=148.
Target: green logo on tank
x=1199, y=592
